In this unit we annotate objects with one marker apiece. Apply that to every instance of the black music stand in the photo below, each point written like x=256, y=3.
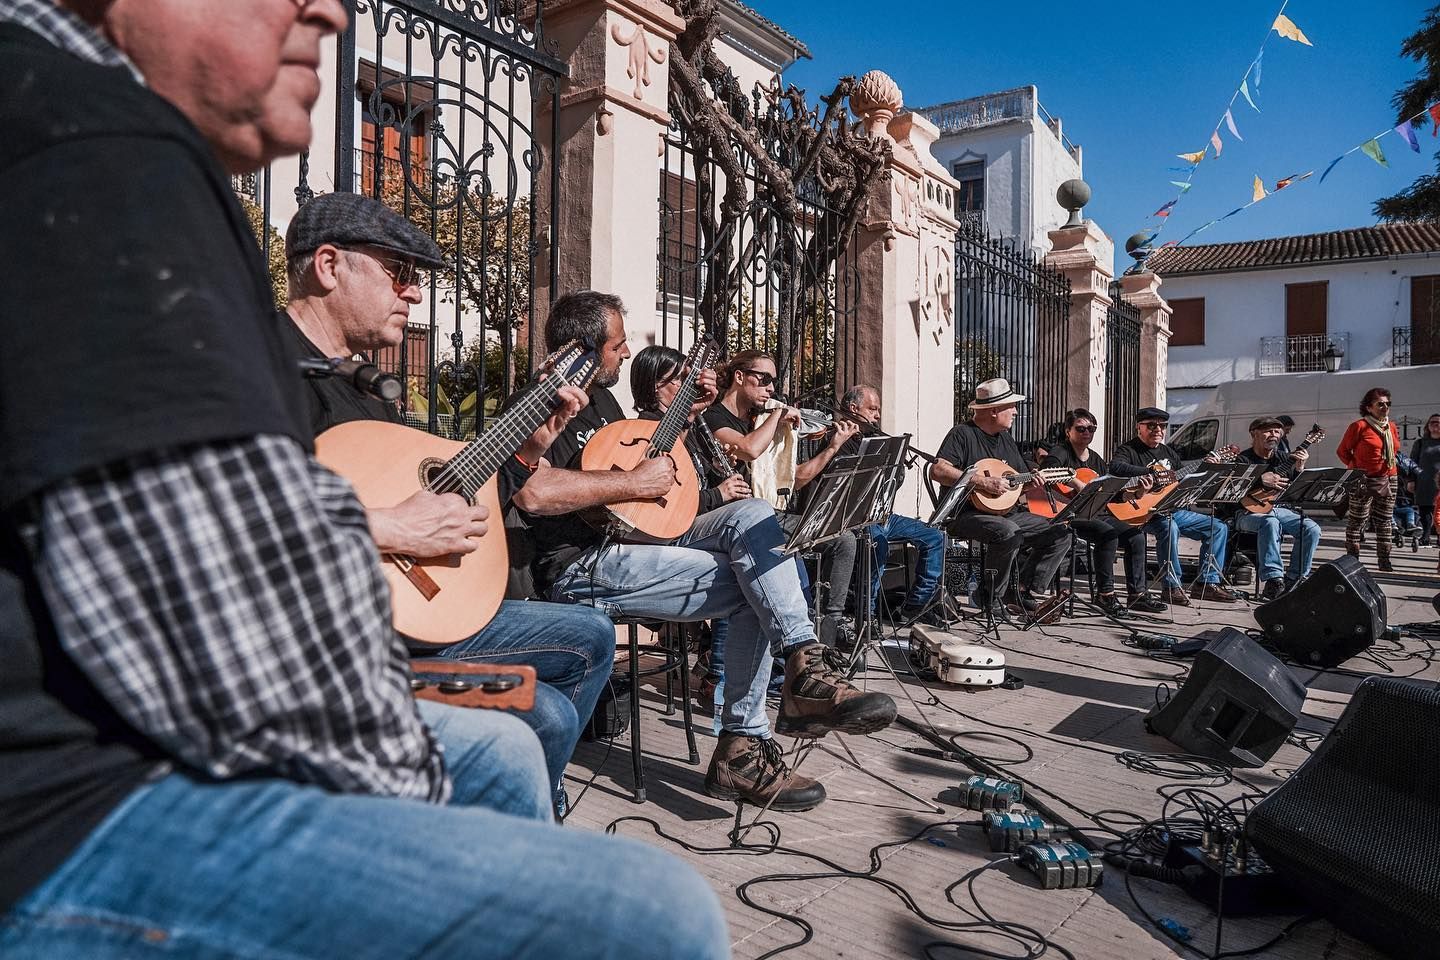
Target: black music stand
x=1089, y=504
x=1226, y=484
x=1181, y=497
x=1326, y=486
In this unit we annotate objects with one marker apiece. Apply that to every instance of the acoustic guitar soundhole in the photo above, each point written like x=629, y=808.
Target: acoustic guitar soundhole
x=431, y=480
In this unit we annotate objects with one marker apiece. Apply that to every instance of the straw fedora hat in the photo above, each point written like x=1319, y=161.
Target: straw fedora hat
x=995, y=393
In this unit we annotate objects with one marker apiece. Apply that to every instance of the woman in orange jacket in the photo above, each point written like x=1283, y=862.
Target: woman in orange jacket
x=1370, y=445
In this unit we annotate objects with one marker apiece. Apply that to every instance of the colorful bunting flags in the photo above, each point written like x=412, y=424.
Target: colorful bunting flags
x=1371, y=149
x=1230, y=122
x=1215, y=142
x=1165, y=210
x=1181, y=184
x=1293, y=178
x=1257, y=191
x=1245, y=91
x=1331, y=167
x=1194, y=158
x=1286, y=28
x=1256, y=72
x=1408, y=132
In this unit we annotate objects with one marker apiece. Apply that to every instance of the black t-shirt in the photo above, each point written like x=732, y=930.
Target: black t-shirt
x=1277, y=462
x=966, y=444
x=1063, y=455
x=1133, y=458
x=559, y=540
x=137, y=318
x=718, y=417
x=331, y=400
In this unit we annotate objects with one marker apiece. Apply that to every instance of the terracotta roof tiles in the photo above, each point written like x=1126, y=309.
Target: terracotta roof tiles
x=1356, y=243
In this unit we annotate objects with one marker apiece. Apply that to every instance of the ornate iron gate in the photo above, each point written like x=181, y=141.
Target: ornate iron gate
x=1122, y=367
x=763, y=284
x=1011, y=321
x=436, y=112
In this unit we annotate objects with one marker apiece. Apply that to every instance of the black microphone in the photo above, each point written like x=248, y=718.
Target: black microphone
x=361, y=374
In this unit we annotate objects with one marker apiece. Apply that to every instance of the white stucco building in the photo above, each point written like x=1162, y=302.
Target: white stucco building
x=1260, y=307
x=1009, y=155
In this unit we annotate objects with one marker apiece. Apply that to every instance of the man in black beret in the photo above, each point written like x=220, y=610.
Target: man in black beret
x=1147, y=451
x=353, y=267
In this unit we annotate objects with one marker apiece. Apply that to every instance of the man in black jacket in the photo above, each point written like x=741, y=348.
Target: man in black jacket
x=1145, y=452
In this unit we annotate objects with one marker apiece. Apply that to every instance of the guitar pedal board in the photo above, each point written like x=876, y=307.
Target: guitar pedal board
x=1061, y=866
x=1010, y=830
x=989, y=793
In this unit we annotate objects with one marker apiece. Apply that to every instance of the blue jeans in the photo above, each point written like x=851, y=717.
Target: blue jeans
x=270, y=868
x=931, y=567
x=729, y=564
x=1212, y=535
x=1268, y=529
x=572, y=650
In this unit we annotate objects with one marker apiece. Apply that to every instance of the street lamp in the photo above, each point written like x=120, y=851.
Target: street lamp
x=1332, y=356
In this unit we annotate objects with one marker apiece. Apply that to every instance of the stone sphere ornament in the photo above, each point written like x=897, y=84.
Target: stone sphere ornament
x=1072, y=196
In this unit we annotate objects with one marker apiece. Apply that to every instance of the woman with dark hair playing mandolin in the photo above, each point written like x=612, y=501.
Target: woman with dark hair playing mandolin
x=1105, y=535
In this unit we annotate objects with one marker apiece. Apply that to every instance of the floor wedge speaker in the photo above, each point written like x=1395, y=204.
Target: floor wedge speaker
x=1356, y=829
x=1238, y=704
x=1331, y=616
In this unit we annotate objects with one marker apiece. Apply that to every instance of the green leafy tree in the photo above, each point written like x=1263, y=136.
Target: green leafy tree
x=1420, y=200
x=279, y=286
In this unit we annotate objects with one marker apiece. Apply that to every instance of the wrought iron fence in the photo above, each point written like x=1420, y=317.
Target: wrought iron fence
x=1399, y=346
x=781, y=299
x=1302, y=354
x=1011, y=321
x=441, y=110
x=1122, y=365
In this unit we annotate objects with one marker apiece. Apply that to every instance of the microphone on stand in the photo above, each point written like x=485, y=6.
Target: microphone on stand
x=360, y=374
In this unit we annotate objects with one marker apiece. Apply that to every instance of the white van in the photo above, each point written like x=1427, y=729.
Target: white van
x=1330, y=399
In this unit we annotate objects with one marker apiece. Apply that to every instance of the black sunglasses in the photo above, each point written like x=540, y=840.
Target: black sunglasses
x=1084, y=428
x=761, y=377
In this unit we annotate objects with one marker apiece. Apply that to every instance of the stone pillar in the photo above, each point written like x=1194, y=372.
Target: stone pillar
x=613, y=118
x=906, y=259
x=1084, y=255
x=1143, y=290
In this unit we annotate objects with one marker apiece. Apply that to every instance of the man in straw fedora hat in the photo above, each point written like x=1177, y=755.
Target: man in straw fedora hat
x=987, y=436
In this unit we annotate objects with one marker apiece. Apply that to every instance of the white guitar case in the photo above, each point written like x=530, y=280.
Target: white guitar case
x=955, y=660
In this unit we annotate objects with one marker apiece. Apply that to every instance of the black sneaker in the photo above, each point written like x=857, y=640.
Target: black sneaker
x=752, y=769
x=1272, y=590
x=1148, y=604
x=1110, y=605
x=816, y=697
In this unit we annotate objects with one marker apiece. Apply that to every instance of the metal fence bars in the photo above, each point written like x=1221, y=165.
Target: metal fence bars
x=435, y=113
x=1122, y=366
x=765, y=281
x=1012, y=321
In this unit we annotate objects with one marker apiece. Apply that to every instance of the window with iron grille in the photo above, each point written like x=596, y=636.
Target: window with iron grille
x=394, y=131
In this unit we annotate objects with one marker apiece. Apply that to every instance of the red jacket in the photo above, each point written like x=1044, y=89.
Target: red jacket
x=1362, y=449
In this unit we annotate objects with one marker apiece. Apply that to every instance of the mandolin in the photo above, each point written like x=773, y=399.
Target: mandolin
x=1050, y=500
x=442, y=600
x=1137, y=509
x=1262, y=499
x=622, y=445
x=1001, y=503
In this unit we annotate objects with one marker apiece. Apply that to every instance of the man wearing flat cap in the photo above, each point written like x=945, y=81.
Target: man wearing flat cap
x=987, y=436
x=1280, y=468
x=353, y=266
x=1148, y=451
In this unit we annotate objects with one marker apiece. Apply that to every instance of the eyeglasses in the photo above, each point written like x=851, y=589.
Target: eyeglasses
x=403, y=273
x=1154, y=425
x=1084, y=428
x=761, y=377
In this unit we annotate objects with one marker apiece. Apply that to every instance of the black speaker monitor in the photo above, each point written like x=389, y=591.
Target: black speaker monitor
x=1238, y=704
x=1329, y=618
x=1356, y=829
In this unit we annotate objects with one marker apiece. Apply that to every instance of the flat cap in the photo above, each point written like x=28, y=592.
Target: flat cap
x=1266, y=423
x=349, y=220
x=1151, y=413
x=1286, y=420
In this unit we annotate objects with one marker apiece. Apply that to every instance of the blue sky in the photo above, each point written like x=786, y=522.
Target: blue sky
x=1137, y=85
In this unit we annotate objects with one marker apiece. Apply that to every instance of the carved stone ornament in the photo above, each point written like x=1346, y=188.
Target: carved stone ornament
x=907, y=202
x=640, y=56
x=875, y=100
x=937, y=292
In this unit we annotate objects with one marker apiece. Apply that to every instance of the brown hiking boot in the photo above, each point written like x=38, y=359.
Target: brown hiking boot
x=1175, y=596
x=751, y=769
x=1211, y=591
x=816, y=697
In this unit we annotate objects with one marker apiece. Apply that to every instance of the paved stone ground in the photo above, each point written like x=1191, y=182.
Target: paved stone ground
x=1085, y=696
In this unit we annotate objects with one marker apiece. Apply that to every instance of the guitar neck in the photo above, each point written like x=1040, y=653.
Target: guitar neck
x=468, y=470
x=674, y=420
